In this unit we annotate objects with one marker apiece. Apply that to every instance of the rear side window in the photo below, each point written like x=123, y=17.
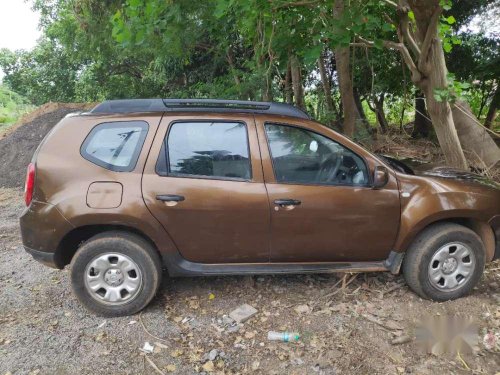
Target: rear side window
x=206, y=149
x=115, y=145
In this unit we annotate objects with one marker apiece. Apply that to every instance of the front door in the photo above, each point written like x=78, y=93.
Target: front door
x=322, y=205
x=203, y=181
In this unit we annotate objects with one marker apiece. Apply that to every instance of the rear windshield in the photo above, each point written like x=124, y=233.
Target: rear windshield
x=115, y=145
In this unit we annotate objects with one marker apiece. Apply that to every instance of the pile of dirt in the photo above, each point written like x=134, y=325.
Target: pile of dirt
x=18, y=145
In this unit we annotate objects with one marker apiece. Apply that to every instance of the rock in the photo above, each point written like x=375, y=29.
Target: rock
x=243, y=313
x=212, y=355
x=148, y=348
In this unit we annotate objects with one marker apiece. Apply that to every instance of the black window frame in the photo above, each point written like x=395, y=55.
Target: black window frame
x=164, y=148
x=368, y=184
x=116, y=124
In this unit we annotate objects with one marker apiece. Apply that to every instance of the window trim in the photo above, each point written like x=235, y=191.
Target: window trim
x=135, y=155
x=367, y=185
x=164, y=145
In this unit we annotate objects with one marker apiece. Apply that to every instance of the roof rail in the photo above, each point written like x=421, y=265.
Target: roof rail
x=197, y=105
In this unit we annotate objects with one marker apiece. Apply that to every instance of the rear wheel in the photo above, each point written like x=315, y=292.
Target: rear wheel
x=445, y=262
x=115, y=273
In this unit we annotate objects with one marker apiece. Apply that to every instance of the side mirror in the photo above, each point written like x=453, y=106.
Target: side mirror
x=380, y=177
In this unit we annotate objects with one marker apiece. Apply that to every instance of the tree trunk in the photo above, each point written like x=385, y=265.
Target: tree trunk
x=421, y=125
x=492, y=111
x=475, y=138
x=379, y=107
x=360, y=112
x=327, y=89
x=440, y=112
x=342, y=58
x=298, y=90
x=288, y=84
x=432, y=69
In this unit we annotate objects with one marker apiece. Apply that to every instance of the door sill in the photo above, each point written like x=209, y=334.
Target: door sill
x=178, y=266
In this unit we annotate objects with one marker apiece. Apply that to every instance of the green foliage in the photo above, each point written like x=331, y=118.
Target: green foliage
x=93, y=50
x=12, y=106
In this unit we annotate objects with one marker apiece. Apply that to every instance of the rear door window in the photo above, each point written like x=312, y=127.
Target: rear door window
x=208, y=149
x=115, y=145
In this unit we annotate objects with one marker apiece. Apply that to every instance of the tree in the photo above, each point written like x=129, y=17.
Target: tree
x=421, y=47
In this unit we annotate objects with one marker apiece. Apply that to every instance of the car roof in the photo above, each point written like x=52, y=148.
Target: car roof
x=127, y=106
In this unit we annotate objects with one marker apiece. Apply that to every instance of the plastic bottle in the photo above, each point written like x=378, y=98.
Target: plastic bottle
x=283, y=336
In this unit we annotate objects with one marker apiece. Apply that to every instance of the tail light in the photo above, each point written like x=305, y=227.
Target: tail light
x=30, y=184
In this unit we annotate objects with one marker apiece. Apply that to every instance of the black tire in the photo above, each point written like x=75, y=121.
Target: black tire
x=140, y=251
x=418, y=257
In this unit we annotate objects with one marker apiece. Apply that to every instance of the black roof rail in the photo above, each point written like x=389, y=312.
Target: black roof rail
x=197, y=105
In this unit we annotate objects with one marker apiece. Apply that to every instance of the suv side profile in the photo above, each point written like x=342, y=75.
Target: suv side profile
x=212, y=187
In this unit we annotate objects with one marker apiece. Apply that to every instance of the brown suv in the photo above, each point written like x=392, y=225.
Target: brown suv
x=211, y=187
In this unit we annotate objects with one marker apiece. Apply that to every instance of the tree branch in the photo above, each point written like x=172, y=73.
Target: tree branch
x=416, y=76
x=391, y=3
x=405, y=28
x=429, y=37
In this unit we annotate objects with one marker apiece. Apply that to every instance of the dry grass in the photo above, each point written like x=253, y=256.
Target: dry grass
x=404, y=147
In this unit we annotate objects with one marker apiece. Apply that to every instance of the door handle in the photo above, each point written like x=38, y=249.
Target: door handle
x=170, y=198
x=287, y=202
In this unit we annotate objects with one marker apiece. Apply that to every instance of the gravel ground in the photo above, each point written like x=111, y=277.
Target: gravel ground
x=44, y=330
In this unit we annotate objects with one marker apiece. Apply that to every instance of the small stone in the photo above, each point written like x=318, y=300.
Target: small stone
x=148, y=348
x=213, y=354
x=243, y=313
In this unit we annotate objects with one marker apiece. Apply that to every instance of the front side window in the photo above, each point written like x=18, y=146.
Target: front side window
x=206, y=149
x=115, y=145
x=305, y=157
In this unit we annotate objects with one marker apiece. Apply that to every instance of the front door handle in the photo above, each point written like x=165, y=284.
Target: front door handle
x=287, y=202
x=170, y=198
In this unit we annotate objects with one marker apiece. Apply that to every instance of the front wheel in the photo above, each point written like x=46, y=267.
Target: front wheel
x=445, y=262
x=115, y=274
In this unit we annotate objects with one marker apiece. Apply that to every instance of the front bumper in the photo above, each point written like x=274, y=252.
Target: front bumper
x=495, y=224
x=47, y=259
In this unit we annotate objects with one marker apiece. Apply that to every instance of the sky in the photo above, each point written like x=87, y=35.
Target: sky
x=18, y=25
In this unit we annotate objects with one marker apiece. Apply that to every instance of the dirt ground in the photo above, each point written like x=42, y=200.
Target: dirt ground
x=44, y=330
x=20, y=141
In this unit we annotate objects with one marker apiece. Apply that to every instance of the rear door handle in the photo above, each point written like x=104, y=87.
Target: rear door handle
x=170, y=198
x=287, y=202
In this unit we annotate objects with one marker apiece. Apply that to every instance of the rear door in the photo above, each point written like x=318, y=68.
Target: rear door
x=203, y=181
